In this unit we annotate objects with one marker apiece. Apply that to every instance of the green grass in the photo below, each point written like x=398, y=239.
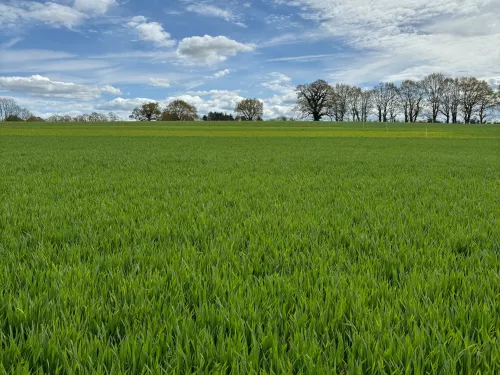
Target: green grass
x=260, y=249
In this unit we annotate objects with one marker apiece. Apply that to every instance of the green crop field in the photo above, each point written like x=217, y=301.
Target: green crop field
x=268, y=248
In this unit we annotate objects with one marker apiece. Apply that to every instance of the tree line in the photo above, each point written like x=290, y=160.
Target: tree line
x=436, y=98
x=93, y=117
x=180, y=110
x=11, y=111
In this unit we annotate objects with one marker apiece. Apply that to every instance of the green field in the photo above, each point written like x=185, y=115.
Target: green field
x=249, y=249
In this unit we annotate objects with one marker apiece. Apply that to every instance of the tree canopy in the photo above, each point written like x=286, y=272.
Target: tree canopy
x=250, y=109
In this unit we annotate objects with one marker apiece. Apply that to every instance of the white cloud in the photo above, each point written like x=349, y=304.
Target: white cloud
x=49, y=13
x=121, y=104
x=94, y=6
x=217, y=101
x=396, y=39
x=159, y=82
x=213, y=11
x=151, y=31
x=221, y=73
x=44, y=87
x=209, y=50
x=278, y=82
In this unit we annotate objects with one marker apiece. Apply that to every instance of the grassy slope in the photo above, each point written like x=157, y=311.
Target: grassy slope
x=345, y=250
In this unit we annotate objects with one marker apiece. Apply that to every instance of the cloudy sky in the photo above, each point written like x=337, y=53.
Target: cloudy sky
x=78, y=56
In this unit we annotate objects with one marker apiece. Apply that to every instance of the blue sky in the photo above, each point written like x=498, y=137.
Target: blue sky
x=79, y=56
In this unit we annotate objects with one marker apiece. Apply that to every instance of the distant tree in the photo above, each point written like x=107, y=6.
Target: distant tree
x=14, y=118
x=147, y=112
x=205, y=118
x=450, y=100
x=112, y=117
x=354, y=103
x=385, y=100
x=366, y=104
x=314, y=100
x=487, y=103
x=8, y=107
x=471, y=90
x=411, y=94
x=434, y=86
x=339, y=103
x=98, y=117
x=81, y=118
x=282, y=119
x=219, y=116
x=250, y=109
x=179, y=110
x=24, y=113
x=35, y=119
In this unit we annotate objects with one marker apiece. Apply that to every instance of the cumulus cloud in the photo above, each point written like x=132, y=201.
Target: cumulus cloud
x=151, y=31
x=210, y=10
x=50, y=13
x=44, y=87
x=94, y=6
x=277, y=82
x=121, y=104
x=209, y=50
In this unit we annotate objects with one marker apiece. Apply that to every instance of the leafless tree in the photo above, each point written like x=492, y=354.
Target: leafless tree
x=450, y=101
x=488, y=101
x=24, y=114
x=366, y=104
x=384, y=99
x=434, y=86
x=113, y=117
x=339, y=105
x=470, y=96
x=411, y=95
x=8, y=107
x=355, y=102
x=314, y=100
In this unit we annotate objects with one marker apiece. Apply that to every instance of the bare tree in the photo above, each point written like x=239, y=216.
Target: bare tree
x=98, y=117
x=354, y=103
x=24, y=114
x=434, y=86
x=112, y=117
x=470, y=90
x=82, y=118
x=450, y=101
x=366, y=104
x=314, y=100
x=385, y=100
x=8, y=107
x=488, y=101
x=411, y=94
x=339, y=104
